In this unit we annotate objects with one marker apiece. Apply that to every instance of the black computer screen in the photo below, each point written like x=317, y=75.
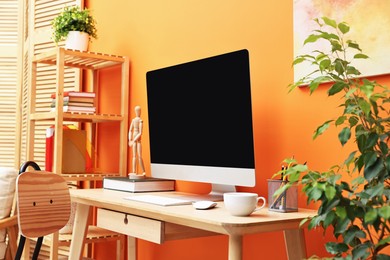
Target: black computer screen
x=200, y=112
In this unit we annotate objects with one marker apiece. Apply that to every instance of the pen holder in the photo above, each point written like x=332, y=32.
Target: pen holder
x=285, y=202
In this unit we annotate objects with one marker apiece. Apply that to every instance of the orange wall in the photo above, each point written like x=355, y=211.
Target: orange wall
x=156, y=34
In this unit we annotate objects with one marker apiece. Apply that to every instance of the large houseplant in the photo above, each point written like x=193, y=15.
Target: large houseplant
x=73, y=19
x=358, y=210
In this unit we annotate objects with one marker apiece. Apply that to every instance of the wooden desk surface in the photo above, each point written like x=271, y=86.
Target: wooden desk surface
x=217, y=219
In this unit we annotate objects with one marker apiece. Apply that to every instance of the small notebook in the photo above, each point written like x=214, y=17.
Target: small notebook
x=159, y=200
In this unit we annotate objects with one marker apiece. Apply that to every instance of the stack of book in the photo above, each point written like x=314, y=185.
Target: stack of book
x=75, y=101
x=138, y=185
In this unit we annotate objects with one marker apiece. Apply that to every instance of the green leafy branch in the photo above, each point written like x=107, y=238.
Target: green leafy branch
x=359, y=212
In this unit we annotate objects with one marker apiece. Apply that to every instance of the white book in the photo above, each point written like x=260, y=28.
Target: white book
x=138, y=185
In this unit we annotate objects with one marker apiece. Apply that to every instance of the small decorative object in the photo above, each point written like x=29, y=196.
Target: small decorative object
x=282, y=195
x=135, y=134
x=287, y=201
x=76, y=26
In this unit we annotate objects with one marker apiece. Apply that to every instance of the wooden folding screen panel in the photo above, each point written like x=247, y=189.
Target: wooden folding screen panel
x=9, y=82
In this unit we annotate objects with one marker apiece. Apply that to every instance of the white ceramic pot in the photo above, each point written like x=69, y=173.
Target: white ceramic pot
x=77, y=41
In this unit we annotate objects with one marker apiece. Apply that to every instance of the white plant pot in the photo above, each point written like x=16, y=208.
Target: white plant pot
x=77, y=41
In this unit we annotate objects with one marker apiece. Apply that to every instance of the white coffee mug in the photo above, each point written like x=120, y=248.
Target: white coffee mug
x=242, y=203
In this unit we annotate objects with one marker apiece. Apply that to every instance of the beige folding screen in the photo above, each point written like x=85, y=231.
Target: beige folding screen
x=38, y=15
x=9, y=82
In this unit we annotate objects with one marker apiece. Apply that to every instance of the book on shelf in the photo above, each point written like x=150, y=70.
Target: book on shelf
x=74, y=103
x=75, y=99
x=76, y=94
x=90, y=110
x=138, y=185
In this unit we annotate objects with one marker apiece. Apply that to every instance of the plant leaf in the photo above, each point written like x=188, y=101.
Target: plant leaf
x=374, y=191
x=367, y=88
x=352, y=233
x=311, y=38
x=303, y=221
x=316, y=82
x=365, y=106
x=340, y=120
x=282, y=189
x=350, y=158
x=299, y=60
x=382, y=257
x=341, y=212
x=384, y=241
x=360, y=56
x=344, y=135
x=330, y=192
x=336, y=248
x=322, y=128
x=360, y=251
x=353, y=45
x=343, y=27
x=341, y=226
x=384, y=148
x=351, y=70
x=373, y=170
x=336, y=88
x=330, y=216
x=340, y=66
x=336, y=46
x=371, y=140
x=370, y=216
x=329, y=22
x=314, y=194
x=324, y=64
x=384, y=212
x=353, y=120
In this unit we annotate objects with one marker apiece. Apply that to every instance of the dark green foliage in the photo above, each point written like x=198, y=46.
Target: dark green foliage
x=359, y=212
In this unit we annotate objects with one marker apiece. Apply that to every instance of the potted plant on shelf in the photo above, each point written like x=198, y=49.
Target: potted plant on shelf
x=76, y=25
x=358, y=211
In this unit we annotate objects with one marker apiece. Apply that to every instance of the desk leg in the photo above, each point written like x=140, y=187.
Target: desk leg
x=79, y=231
x=235, y=247
x=295, y=244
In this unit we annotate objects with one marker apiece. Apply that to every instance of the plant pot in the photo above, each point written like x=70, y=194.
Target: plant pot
x=77, y=41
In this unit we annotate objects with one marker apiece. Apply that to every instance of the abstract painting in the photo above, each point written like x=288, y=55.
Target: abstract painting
x=370, y=28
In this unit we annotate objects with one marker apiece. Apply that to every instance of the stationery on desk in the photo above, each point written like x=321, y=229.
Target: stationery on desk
x=138, y=185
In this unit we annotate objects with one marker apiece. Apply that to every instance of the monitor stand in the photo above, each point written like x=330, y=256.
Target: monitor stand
x=220, y=189
x=216, y=193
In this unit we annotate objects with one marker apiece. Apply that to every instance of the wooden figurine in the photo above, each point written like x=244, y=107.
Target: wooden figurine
x=135, y=134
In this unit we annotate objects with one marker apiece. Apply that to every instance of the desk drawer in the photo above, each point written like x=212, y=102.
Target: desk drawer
x=139, y=227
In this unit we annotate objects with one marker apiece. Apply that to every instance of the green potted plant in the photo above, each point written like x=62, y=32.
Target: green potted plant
x=72, y=23
x=357, y=212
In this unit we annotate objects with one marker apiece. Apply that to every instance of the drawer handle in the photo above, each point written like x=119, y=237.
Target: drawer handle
x=126, y=220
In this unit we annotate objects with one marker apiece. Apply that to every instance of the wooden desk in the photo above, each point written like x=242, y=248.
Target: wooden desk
x=158, y=224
